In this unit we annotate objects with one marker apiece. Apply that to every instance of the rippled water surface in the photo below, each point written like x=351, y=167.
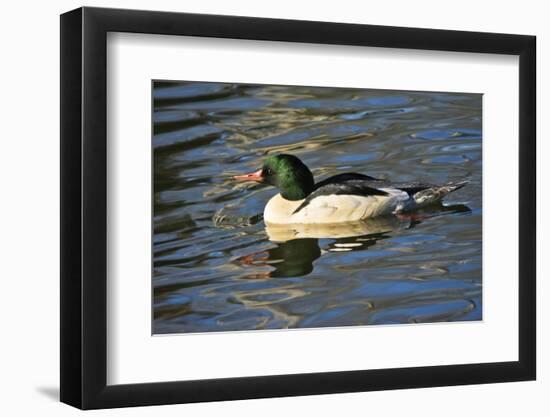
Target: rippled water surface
x=217, y=267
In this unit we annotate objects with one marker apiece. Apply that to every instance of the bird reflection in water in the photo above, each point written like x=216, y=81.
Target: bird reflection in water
x=297, y=245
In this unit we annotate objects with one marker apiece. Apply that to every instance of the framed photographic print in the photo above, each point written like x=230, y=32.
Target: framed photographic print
x=258, y=207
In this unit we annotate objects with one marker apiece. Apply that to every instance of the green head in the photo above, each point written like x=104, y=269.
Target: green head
x=287, y=173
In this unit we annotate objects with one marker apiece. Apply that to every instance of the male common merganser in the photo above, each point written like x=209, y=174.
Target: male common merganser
x=341, y=198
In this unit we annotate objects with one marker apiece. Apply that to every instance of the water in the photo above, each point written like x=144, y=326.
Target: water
x=217, y=267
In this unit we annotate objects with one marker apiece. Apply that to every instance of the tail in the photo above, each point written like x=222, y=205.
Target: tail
x=436, y=193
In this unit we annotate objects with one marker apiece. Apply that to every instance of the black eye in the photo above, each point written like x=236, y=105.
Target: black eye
x=268, y=171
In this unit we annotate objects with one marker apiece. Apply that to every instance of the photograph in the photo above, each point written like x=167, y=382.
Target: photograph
x=271, y=206
x=292, y=207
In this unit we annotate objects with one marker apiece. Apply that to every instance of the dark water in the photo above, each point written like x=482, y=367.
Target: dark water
x=215, y=267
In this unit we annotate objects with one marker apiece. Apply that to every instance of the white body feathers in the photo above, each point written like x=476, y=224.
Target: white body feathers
x=338, y=208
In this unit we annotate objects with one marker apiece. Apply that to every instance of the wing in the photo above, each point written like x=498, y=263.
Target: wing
x=340, y=178
x=411, y=188
x=349, y=187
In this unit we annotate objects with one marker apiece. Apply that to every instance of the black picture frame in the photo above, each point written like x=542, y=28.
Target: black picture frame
x=84, y=207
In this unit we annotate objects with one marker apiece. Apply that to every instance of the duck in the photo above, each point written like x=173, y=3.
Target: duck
x=341, y=198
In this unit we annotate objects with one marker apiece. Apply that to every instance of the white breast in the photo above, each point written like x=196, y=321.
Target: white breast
x=279, y=210
x=334, y=208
